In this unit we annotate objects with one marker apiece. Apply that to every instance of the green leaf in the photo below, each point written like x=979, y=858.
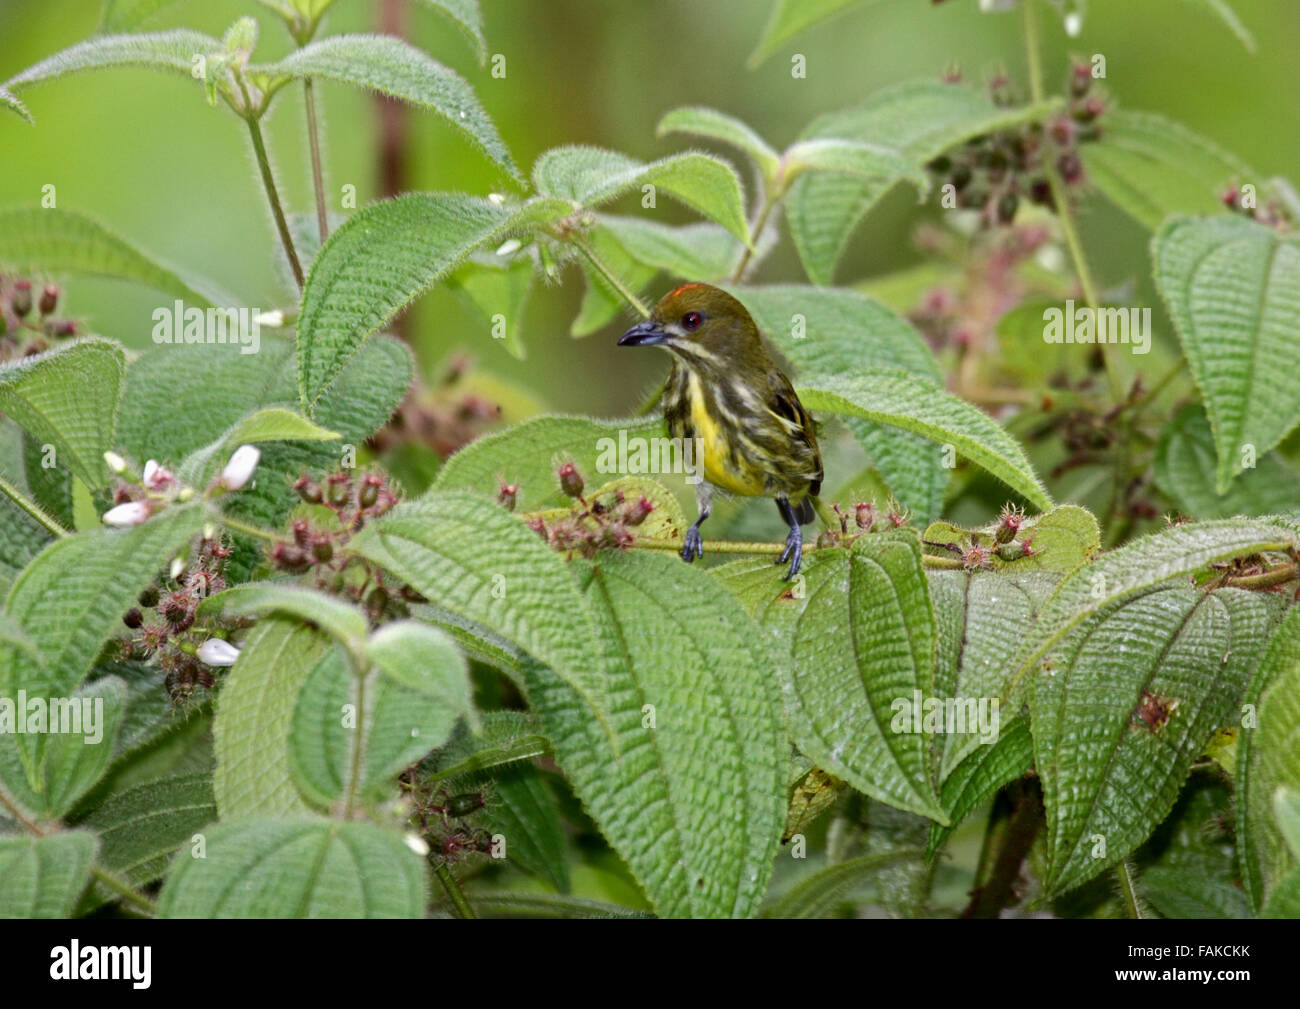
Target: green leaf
x=472, y=557
x=14, y=105
x=424, y=660
x=399, y=70
x=1190, y=890
x=1185, y=471
x=41, y=877
x=1268, y=760
x=1128, y=703
x=170, y=50
x=497, y=286
x=1286, y=812
x=899, y=399
x=546, y=905
x=287, y=869
x=694, y=805
x=1151, y=167
x=251, y=731
x=1061, y=540
x=275, y=423
x=71, y=598
x=698, y=121
x=920, y=120
x=601, y=301
x=1284, y=901
x=505, y=738
x=701, y=251
x=1142, y=564
x=1233, y=291
x=523, y=810
x=827, y=333
x=467, y=17
x=76, y=748
x=353, y=733
x=981, y=617
x=816, y=896
x=381, y=260
x=589, y=176
x=141, y=828
x=50, y=486
x=36, y=240
x=858, y=637
x=789, y=18
x=68, y=397
x=980, y=776
x=341, y=620
x=853, y=157
x=527, y=455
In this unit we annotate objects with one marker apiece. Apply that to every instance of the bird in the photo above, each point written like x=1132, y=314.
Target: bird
x=725, y=394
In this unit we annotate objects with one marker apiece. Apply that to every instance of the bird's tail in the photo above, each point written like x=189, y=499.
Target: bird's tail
x=805, y=510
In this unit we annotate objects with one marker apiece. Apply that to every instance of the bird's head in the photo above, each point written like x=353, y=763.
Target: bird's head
x=700, y=324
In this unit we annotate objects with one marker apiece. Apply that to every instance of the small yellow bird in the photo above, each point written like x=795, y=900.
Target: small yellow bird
x=725, y=390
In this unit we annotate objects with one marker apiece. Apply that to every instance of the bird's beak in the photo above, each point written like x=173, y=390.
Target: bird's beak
x=644, y=334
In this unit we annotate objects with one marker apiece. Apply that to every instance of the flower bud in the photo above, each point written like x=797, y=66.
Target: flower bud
x=123, y=516
x=240, y=467
x=156, y=477
x=308, y=490
x=216, y=652
x=571, y=481
x=133, y=618
x=148, y=596
x=636, y=512
x=507, y=493
x=369, y=492
x=864, y=513
x=21, y=297
x=115, y=462
x=49, y=299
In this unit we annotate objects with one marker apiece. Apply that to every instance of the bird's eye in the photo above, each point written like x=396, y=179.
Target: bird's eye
x=692, y=320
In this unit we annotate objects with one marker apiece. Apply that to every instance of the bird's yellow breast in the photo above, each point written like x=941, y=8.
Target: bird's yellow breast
x=714, y=441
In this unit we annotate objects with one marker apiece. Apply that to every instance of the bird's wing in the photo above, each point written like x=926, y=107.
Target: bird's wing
x=785, y=406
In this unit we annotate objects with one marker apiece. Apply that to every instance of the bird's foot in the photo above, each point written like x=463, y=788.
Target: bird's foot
x=793, y=552
x=694, y=545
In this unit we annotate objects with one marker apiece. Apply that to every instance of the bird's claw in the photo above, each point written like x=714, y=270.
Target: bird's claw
x=793, y=552
x=694, y=545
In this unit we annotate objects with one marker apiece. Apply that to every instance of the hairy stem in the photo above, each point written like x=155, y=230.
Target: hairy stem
x=458, y=899
x=273, y=197
x=251, y=530
x=12, y=807
x=124, y=890
x=31, y=508
x=317, y=175
x=758, y=549
x=1128, y=890
x=1027, y=819
x=624, y=292
x=760, y=222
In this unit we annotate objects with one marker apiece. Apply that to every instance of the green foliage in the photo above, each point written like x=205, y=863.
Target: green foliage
x=789, y=18
x=68, y=398
x=286, y=869
x=1233, y=291
x=41, y=877
x=48, y=240
x=392, y=67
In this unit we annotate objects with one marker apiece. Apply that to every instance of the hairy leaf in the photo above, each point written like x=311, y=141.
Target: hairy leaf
x=701, y=251
x=1060, y=540
x=789, y=18
x=381, y=260
x=397, y=69
x=68, y=397
x=1233, y=291
x=698, y=121
x=589, y=176
x=296, y=869
x=902, y=400
x=41, y=877
x=694, y=804
x=817, y=895
x=467, y=18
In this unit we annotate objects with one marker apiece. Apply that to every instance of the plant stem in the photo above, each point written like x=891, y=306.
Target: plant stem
x=457, y=895
x=17, y=814
x=626, y=293
x=273, y=197
x=123, y=890
x=1034, y=57
x=1026, y=820
x=318, y=176
x=760, y=222
x=759, y=549
x=31, y=508
x=1128, y=890
x=244, y=527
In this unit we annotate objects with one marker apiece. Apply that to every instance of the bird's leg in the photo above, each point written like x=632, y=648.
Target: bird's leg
x=694, y=542
x=794, y=542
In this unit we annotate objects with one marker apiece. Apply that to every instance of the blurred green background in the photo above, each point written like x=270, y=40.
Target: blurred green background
x=145, y=154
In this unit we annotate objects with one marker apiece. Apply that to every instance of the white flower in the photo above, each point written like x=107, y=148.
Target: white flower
x=156, y=477
x=496, y=198
x=123, y=516
x=115, y=462
x=417, y=844
x=1073, y=23
x=216, y=652
x=509, y=246
x=240, y=467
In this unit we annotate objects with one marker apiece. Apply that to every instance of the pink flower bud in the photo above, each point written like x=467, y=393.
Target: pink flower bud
x=123, y=516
